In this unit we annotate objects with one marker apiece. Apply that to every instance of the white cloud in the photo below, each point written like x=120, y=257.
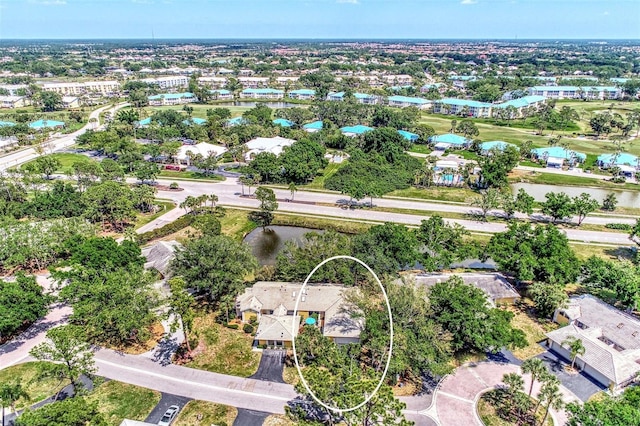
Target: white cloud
x=348, y=1
x=469, y=2
x=606, y=13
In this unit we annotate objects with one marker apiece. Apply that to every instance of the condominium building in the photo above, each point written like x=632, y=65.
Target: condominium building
x=105, y=88
x=168, y=82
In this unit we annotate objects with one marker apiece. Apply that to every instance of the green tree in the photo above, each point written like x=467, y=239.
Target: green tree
x=10, y=394
x=541, y=253
x=111, y=203
x=583, y=205
x=302, y=160
x=21, y=302
x=621, y=410
x=69, y=355
x=488, y=200
x=463, y=311
x=49, y=101
x=576, y=348
x=535, y=367
x=267, y=165
x=551, y=396
x=635, y=232
x=144, y=197
x=69, y=412
x=443, y=243
x=547, y=298
x=293, y=189
x=268, y=204
x=46, y=165
x=522, y=203
x=181, y=307
x=609, y=203
x=387, y=248
x=496, y=167
x=468, y=128
x=557, y=205
x=146, y=171
x=217, y=265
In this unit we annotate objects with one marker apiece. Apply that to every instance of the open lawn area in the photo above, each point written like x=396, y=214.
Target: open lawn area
x=569, y=180
x=172, y=174
x=37, y=388
x=323, y=175
x=236, y=223
x=206, y=413
x=117, y=401
x=67, y=159
x=439, y=193
x=221, y=349
x=164, y=207
x=532, y=328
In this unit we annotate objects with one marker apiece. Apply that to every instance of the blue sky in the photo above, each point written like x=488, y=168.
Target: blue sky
x=320, y=19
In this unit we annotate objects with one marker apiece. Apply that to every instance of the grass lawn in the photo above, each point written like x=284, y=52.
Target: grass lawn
x=236, y=224
x=568, y=180
x=211, y=414
x=144, y=218
x=290, y=375
x=188, y=175
x=67, y=160
x=322, y=176
x=533, y=329
x=37, y=389
x=420, y=149
x=440, y=193
x=529, y=163
x=346, y=227
x=223, y=350
x=584, y=251
x=117, y=401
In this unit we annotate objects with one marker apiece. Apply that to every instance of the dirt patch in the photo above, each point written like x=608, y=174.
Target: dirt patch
x=156, y=331
x=166, y=188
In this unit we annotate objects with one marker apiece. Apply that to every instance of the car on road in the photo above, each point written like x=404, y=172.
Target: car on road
x=169, y=416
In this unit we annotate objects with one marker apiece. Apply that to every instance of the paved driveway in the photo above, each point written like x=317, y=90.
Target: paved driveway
x=165, y=402
x=580, y=384
x=271, y=366
x=250, y=417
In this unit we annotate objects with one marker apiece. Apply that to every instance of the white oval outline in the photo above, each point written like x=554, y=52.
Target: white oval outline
x=294, y=333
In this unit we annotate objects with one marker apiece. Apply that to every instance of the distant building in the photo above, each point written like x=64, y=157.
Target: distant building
x=266, y=93
x=313, y=127
x=273, y=145
x=627, y=163
x=213, y=82
x=457, y=106
x=172, y=99
x=496, y=287
x=409, y=136
x=14, y=89
x=272, y=304
x=159, y=255
x=236, y=121
x=611, y=339
x=461, y=81
x=556, y=156
x=406, y=101
x=518, y=105
x=13, y=101
x=576, y=92
x=253, y=82
x=362, y=98
x=186, y=152
x=168, y=82
x=70, y=102
x=449, y=140
x=194, y=120
x=302, y=94
x=357, y=130
x=105, y=88
x=440, y=87
x=220, y=94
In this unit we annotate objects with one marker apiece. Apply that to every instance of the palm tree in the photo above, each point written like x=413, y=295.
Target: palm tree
x=550, y=394
x=293, y=188
x=536, y=368
x=10, y=393
x=214, y=199
x=576, y=347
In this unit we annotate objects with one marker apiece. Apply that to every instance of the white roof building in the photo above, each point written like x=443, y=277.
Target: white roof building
x=611, y=339
x=273, y=145
x=203, y=148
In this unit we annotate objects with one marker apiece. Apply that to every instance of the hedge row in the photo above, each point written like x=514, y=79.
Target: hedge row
x=621, y=226
x=178, y=224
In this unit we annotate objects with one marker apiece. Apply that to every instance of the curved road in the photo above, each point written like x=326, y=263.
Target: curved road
x=54, y=144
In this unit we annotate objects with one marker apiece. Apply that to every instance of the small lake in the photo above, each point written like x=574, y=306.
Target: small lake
x=266, y=244
x=625, y=198
x=272, y=105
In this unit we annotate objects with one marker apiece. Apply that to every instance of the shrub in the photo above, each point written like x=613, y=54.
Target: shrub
x=174, y=185
x=620, y=226
x=178, y=224
x=248, y=328
x=232, y=326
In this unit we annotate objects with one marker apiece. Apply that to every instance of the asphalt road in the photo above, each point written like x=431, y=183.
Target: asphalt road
x=326, y=204
x=54, y=144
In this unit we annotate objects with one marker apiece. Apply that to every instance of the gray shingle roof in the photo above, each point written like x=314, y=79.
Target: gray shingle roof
x=494, y=285
x=159, y=255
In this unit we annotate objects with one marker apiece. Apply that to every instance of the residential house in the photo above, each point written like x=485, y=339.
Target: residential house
x=627, y=163
x=406, y=101
x=302, y=94
x=461, y=81
x=357, y=130
x=283, y=122
x=313, y=127
x=13, y=101
x=487, y=147
x=14, y=89
x=556, y=156
x=397, y=79
x=457, y=106
x=273, y=145
x=441, y=87
x=172, y=99
x=266, y=93
x=159, y=255
x=272, y=304
x=213, y=82
x=70, y=102
x=611, y=339
x=204, y=149
x=496, y=287
x=448, y=141
x=408, y=135
x=518, y=105
x=220, y=94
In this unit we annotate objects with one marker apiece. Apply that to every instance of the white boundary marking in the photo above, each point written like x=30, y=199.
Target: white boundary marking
x=294, y=333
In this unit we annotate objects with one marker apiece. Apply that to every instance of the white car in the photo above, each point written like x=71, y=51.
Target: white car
x=169, y=416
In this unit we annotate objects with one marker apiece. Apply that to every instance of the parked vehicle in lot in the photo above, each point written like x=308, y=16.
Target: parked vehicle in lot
x=175, y=167
x=169, y=416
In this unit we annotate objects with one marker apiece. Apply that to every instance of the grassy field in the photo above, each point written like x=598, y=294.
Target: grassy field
x=568, y=180
x=489, y=416
x=206, y=413
x=533, y=329
x=323, y=175
x=278, y=420
x=172, y=174
x=144, y=218
x=440, y=193
x=223, y=350
x=37, y=389
x=117, y=401
x=67, y=159
x=236, y=224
